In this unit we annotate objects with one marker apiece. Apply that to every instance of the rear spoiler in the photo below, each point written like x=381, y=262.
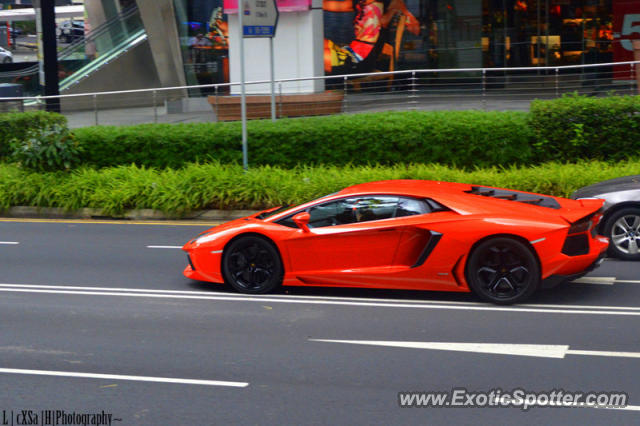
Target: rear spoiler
x=590, y=206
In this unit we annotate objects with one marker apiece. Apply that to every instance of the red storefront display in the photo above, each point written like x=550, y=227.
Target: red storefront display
x=231, y=6
x=626, y=27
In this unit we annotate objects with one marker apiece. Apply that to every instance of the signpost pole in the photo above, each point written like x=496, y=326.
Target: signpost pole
x=243, y=99
x=273, y=91
x=260, y=22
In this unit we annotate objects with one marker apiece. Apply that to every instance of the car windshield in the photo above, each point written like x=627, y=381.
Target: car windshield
x=273, y=212
x=284, y=207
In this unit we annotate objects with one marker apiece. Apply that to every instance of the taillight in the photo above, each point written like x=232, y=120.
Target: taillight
x=595, y=220
x=577, y=241
x=581, y=226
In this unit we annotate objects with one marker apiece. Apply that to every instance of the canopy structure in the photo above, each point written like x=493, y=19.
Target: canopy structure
x=30, y=13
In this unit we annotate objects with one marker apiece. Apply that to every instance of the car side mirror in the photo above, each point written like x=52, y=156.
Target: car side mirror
x=302, y=221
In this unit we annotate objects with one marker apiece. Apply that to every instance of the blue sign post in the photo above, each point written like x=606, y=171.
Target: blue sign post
x=257, y=19
x=260, y=18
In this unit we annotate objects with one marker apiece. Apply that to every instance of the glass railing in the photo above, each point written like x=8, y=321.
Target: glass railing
x=86, y=54
x=100, y=46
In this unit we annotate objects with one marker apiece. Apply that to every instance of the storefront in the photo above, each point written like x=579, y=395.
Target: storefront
x=418, y=34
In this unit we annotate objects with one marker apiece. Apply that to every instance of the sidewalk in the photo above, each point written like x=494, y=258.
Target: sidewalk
x=353, y=103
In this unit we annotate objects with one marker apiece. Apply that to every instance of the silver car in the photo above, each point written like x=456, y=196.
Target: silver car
x=621, y=214
x=6, y=57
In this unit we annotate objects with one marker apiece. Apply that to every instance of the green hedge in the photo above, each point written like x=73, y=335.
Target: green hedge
x=19, y=124
x=566, y=129
x=196, y=187
x=460, y=138
x=579, y=127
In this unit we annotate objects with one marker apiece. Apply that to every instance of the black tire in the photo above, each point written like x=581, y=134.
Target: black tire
x=252, y=265
x=68, y=39
x=7, y=60
x=502, y=270
x=623, y=230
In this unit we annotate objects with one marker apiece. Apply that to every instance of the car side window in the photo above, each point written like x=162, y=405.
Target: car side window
x=352, y=210
x=361, y=209
x=366, y=209
x=411, y=206
x=324, y=214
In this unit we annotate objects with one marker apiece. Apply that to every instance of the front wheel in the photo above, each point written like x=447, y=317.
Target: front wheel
x=502, y=270
x=623, y=231
x=252, y=265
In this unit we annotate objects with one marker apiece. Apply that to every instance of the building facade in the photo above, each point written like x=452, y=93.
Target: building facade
x=444, y=33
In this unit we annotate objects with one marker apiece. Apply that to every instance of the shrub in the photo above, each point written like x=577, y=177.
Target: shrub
x=579, y=127
x=461, y=138
x=48, y=148
x=195, y=187
x=16, y=125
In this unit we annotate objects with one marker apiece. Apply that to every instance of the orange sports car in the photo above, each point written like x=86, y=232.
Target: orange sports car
x=500, y=244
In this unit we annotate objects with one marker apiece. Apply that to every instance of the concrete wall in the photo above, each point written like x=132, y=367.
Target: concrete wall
x=298, y=53
x=132, y=70
x=159, y=19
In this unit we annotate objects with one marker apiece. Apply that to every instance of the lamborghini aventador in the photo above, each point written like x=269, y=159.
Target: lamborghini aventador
x=407, y=234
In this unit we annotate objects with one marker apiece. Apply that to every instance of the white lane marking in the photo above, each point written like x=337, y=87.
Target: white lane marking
x=164, y=247
x=540, y=351
x=628, y=281
x=628, y=407
x=620, y=310
x=123, y=377
x=9, y=243
x=605, y=353
x=311, y=298
x=543, y=351
x=595, y=280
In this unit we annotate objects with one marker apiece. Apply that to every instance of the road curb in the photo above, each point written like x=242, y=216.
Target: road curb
x=26, y=212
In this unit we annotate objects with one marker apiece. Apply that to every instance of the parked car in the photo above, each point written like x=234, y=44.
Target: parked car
x=68, y=31
x=621, y=214
x=407, y=234
x=6, y=57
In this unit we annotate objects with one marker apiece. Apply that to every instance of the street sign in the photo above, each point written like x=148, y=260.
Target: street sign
x=259, y=18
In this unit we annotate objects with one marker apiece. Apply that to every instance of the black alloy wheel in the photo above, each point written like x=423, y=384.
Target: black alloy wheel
x=502, y=270
x=252, y=265
x=623, y=230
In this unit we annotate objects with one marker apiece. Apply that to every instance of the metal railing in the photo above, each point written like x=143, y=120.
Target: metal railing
x=425, y=89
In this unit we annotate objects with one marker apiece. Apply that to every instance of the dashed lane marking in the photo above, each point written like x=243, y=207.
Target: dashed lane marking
x=124, y=377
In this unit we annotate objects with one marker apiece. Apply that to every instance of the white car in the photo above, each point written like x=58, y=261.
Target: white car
x=6, y=57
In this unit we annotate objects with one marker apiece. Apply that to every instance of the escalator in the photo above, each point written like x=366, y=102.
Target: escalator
x=103, y=47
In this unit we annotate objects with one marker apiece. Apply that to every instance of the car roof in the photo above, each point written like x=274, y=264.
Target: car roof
x=410, y=187
x=460, y=197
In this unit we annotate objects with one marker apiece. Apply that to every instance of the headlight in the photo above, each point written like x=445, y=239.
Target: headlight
x=209, y=236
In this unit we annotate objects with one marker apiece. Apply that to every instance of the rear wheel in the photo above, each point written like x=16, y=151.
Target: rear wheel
x=503, y=271
x=623, y=231
x=252, y=265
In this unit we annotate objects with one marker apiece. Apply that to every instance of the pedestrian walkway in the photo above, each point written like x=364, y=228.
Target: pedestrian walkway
x=353, y=103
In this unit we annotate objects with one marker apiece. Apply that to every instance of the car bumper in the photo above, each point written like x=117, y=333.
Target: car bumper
x=557, y=279
x=203, y=267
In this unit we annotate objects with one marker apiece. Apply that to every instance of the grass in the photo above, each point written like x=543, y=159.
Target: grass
x=217, y=186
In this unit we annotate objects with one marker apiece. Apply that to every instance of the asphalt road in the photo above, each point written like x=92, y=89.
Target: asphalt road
x=94, y=320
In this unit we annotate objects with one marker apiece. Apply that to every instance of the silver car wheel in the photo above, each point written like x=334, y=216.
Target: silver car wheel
x=625, y=234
